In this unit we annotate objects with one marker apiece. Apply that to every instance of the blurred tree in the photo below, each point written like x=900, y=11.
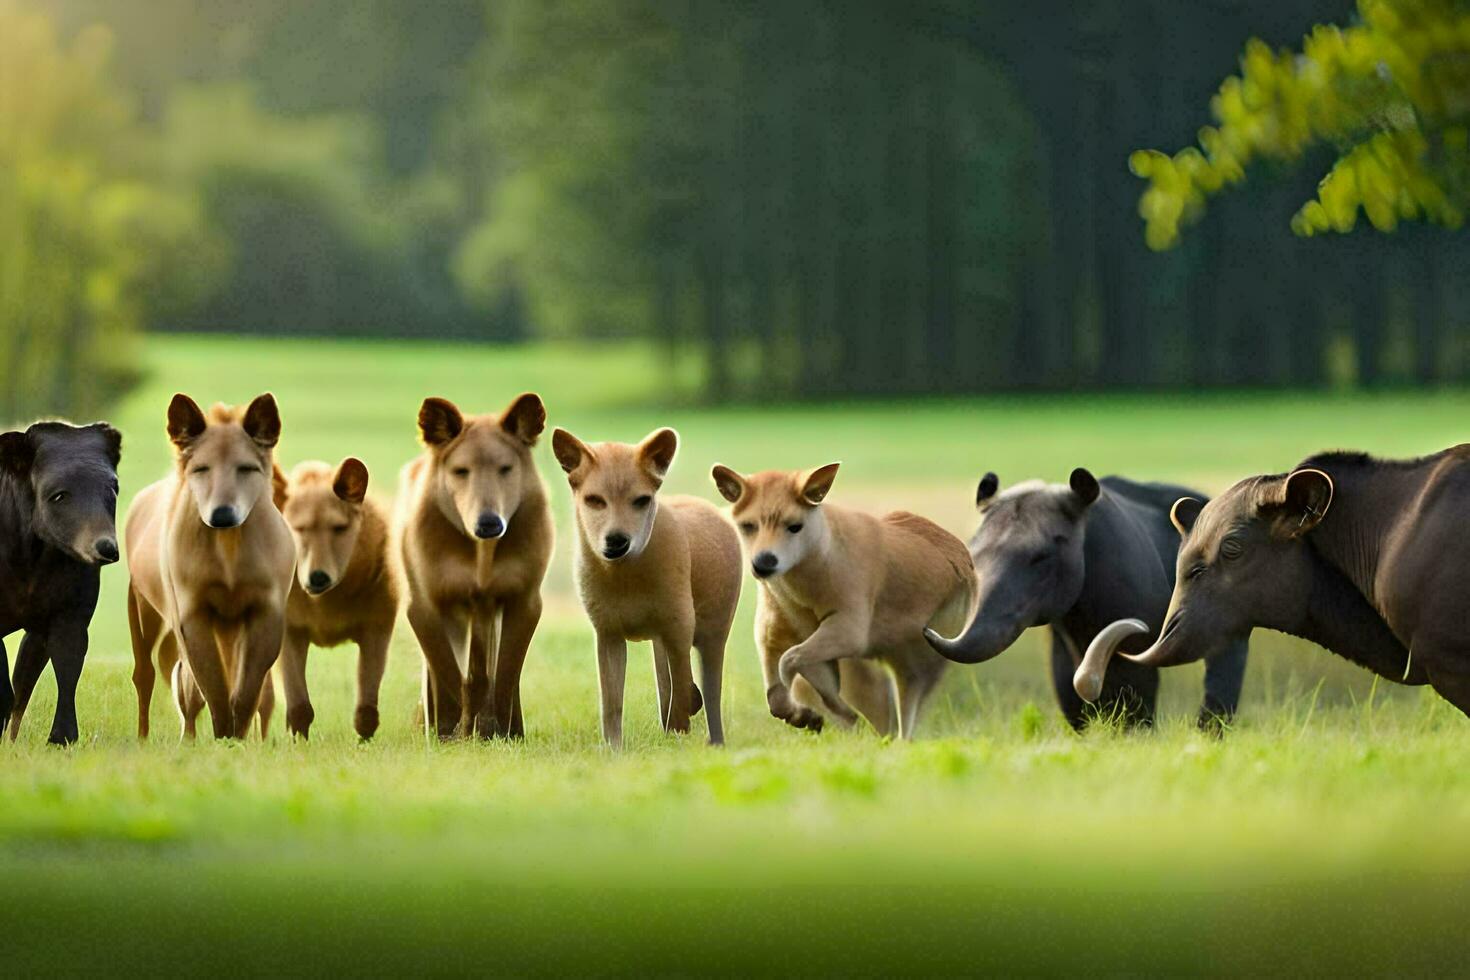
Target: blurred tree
x=90, y=247
x=1391, y=93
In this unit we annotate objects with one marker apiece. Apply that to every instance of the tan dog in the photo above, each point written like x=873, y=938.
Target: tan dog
x=209, y=559
x=345, y=589
x=838, y=584
x=475, y=535
x=649, y=569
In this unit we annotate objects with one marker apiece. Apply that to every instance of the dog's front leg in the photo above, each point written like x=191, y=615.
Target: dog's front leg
x=260, y=646
x=30, y=661
x=671, y=660
x=479, y=717
x=815, y=659
x=372, y=659
x=518, y=624
x=66, y=647
x=206, y=674
x=299, y=712
x=431, y=629
x=612, y=669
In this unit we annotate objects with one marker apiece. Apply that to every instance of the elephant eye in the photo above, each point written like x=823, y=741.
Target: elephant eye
x=1194, y=572
x=58, y=496
x=1040, y=557
x=1231, y=548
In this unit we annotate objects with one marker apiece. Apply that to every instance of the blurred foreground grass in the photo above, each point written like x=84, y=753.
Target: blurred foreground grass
x=1325, y=833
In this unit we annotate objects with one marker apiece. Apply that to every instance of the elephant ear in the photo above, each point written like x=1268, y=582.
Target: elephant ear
x=1184, y=513
x=1301, y=502
x=1084, y=486
x=985, y=492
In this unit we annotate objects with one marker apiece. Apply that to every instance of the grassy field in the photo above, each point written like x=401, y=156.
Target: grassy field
x=1325, y=833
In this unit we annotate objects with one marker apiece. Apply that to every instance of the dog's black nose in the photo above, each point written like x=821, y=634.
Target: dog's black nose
x=106, y=549
x=489, y=526
x=765, y=563
x=616, y=545
x=318, y=580
x=222, y=517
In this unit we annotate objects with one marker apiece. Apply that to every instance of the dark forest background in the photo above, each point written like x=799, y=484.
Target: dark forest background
x=862, y=197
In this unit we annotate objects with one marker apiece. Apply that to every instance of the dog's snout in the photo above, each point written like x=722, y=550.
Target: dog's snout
x=106, y=549
x=765, y=563
x=616, y=544
x=318, y=581
x=223, y=517
x=489, y=526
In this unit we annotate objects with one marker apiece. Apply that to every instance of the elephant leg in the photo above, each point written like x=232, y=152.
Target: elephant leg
x=1224, y=677
x=1063, y=665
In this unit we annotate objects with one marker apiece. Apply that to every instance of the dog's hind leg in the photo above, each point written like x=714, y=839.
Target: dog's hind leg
x=267, y=707
x=914, y=679
x=143, y=630
x=671, y=663
x=868, y=688
x=30, y=661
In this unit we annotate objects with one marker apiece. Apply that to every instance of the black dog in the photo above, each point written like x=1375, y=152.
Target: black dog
x=58, y=507
x=1076, y=558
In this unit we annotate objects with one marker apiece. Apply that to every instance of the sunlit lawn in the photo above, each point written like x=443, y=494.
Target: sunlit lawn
x=1327, y=832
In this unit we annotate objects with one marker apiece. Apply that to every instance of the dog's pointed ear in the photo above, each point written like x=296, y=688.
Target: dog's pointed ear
x=1184, y=513
x=1084, y=486
x=569, y=451
x=1304, y=499
x=985, y=491
x=112, y=439
x=730, y=484
x=17, y=453
x=656, y=453
x=350, y=482
x=185, y=420
x=279, y=486
x=525, y=418
x=439, y=421
x=816, y=484
x=262, y=421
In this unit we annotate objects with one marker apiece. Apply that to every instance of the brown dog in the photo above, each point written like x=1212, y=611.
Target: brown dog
x=345, y=589
x=666, y=571
x=838, y=584
x=475, y=536
x=209, y=559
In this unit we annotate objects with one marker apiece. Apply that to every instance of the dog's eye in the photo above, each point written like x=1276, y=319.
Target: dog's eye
x=248, y=468
x=747, y=527
x=198, y=470
x=340, y=528
x=1040, y=557
x=595, y=502
x=1231, y=548
x=640, y=503
x=505, y=470
x=58, y=496
x=794, y=528
x=1194, y=572
x=461, y=471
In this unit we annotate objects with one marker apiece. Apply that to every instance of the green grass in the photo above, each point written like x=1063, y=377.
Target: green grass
x=1326, y=832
